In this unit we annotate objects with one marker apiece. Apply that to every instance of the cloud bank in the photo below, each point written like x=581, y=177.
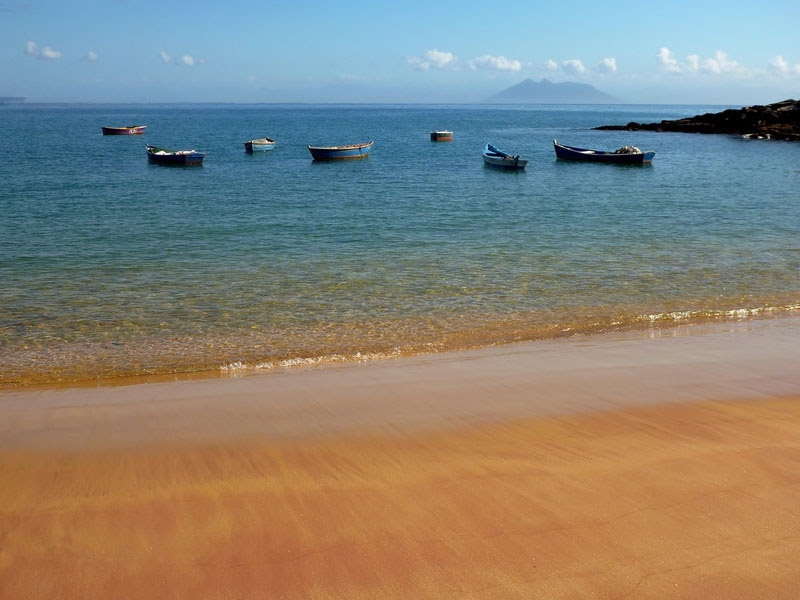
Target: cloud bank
x=495, y=63
x=575, y=66
x=440, y=60
x=719, y=64
x=45, y=53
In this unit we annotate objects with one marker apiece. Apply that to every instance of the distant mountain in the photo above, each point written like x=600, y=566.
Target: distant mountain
x=547, y=92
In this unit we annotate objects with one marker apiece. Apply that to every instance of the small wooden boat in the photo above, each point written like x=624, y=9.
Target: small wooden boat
x=259, y=145
x=164, y=156
x=442, y=136
x=126, y=130
x=497, y=158
x=627, y=155
x=340, y=152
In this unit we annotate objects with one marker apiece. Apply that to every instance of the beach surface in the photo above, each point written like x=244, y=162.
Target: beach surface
x=627, y=465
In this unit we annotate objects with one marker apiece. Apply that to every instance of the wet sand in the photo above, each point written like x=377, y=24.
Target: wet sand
x=625, y=465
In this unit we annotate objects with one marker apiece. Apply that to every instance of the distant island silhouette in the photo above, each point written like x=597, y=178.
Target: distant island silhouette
x=547, y=92
x=11, y=99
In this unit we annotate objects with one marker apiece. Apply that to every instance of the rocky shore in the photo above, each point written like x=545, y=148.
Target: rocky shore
x=779, y=121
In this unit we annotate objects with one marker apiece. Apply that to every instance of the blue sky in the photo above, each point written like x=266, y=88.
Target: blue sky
x=710, y=52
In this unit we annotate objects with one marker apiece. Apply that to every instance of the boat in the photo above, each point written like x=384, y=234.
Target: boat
x=126, y=130
x=340, y=152
x=442, y=136
x=258, y=145
x=627, y=155
x=497, y=158
x=165, y=156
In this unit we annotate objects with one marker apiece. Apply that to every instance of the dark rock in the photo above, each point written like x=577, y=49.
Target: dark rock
x=779, y=121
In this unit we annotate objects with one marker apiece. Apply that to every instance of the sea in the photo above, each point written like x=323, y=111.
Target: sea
x=112, y=267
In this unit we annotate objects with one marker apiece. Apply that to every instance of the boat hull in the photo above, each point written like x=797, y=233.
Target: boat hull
x=505, y=163
x=130, y=130
x=340, y=152
x=441, y=136
x=587, y=155
x=178, y=158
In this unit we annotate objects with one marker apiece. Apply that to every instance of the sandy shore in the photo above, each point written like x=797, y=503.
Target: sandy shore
x=625, y=465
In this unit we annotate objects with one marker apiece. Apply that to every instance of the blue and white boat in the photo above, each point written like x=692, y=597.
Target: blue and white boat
x=259, y=145
x=340, y=152
x=497, y=158
x=165, y=156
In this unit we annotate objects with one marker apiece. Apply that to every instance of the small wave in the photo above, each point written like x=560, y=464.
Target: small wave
x=731, y=313
x=329, y=359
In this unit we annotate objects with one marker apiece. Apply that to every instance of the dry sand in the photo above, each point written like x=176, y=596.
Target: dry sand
x=624, y=465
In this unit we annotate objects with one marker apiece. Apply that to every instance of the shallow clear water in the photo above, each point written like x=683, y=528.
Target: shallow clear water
x=113, y=266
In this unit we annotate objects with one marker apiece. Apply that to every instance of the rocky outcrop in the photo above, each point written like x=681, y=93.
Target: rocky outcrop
x=779, y=121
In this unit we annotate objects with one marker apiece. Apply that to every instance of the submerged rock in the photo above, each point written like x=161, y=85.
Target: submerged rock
x=779, y=121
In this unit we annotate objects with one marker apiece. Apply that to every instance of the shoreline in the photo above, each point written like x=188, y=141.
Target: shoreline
x=725, y=361
x=458, y=342
x=603, y=466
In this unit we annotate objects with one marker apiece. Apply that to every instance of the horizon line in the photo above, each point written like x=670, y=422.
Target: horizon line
x=353, y=103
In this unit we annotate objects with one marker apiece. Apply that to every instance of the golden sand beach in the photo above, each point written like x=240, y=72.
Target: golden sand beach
x=628, y=465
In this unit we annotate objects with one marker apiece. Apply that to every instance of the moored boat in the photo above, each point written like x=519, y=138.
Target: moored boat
x=259, y=145
x=126, y=130
x=340, y=152
x=497, y=158
x=166, y=156
x=442, y=136
x=627, y=155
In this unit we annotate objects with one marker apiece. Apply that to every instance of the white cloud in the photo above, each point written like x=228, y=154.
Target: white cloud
x=607, y=65
x=781, y=66
x=551, y=65
x=692, y=63
x=440, y=59
x=495, y=63
x=667, y=62
x=91, y=56
x=433, y=59
x=721, y=64
x=165, y=58
x=49, y=54
x=46, y=53
x=574, y=66
x=417, y=63
x=188, y=60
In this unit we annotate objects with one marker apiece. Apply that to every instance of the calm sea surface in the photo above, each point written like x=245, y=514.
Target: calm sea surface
x=112, y=266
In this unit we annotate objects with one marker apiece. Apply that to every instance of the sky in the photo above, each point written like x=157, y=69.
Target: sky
x=673, y=52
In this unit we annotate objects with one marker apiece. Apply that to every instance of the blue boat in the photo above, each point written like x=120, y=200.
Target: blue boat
x=340, y=152
x=164, y=156
x=627, y=155
x=497, y=158
x=259, y=145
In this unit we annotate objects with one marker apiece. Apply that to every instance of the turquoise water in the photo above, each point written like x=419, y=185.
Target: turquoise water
x=113, y=266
